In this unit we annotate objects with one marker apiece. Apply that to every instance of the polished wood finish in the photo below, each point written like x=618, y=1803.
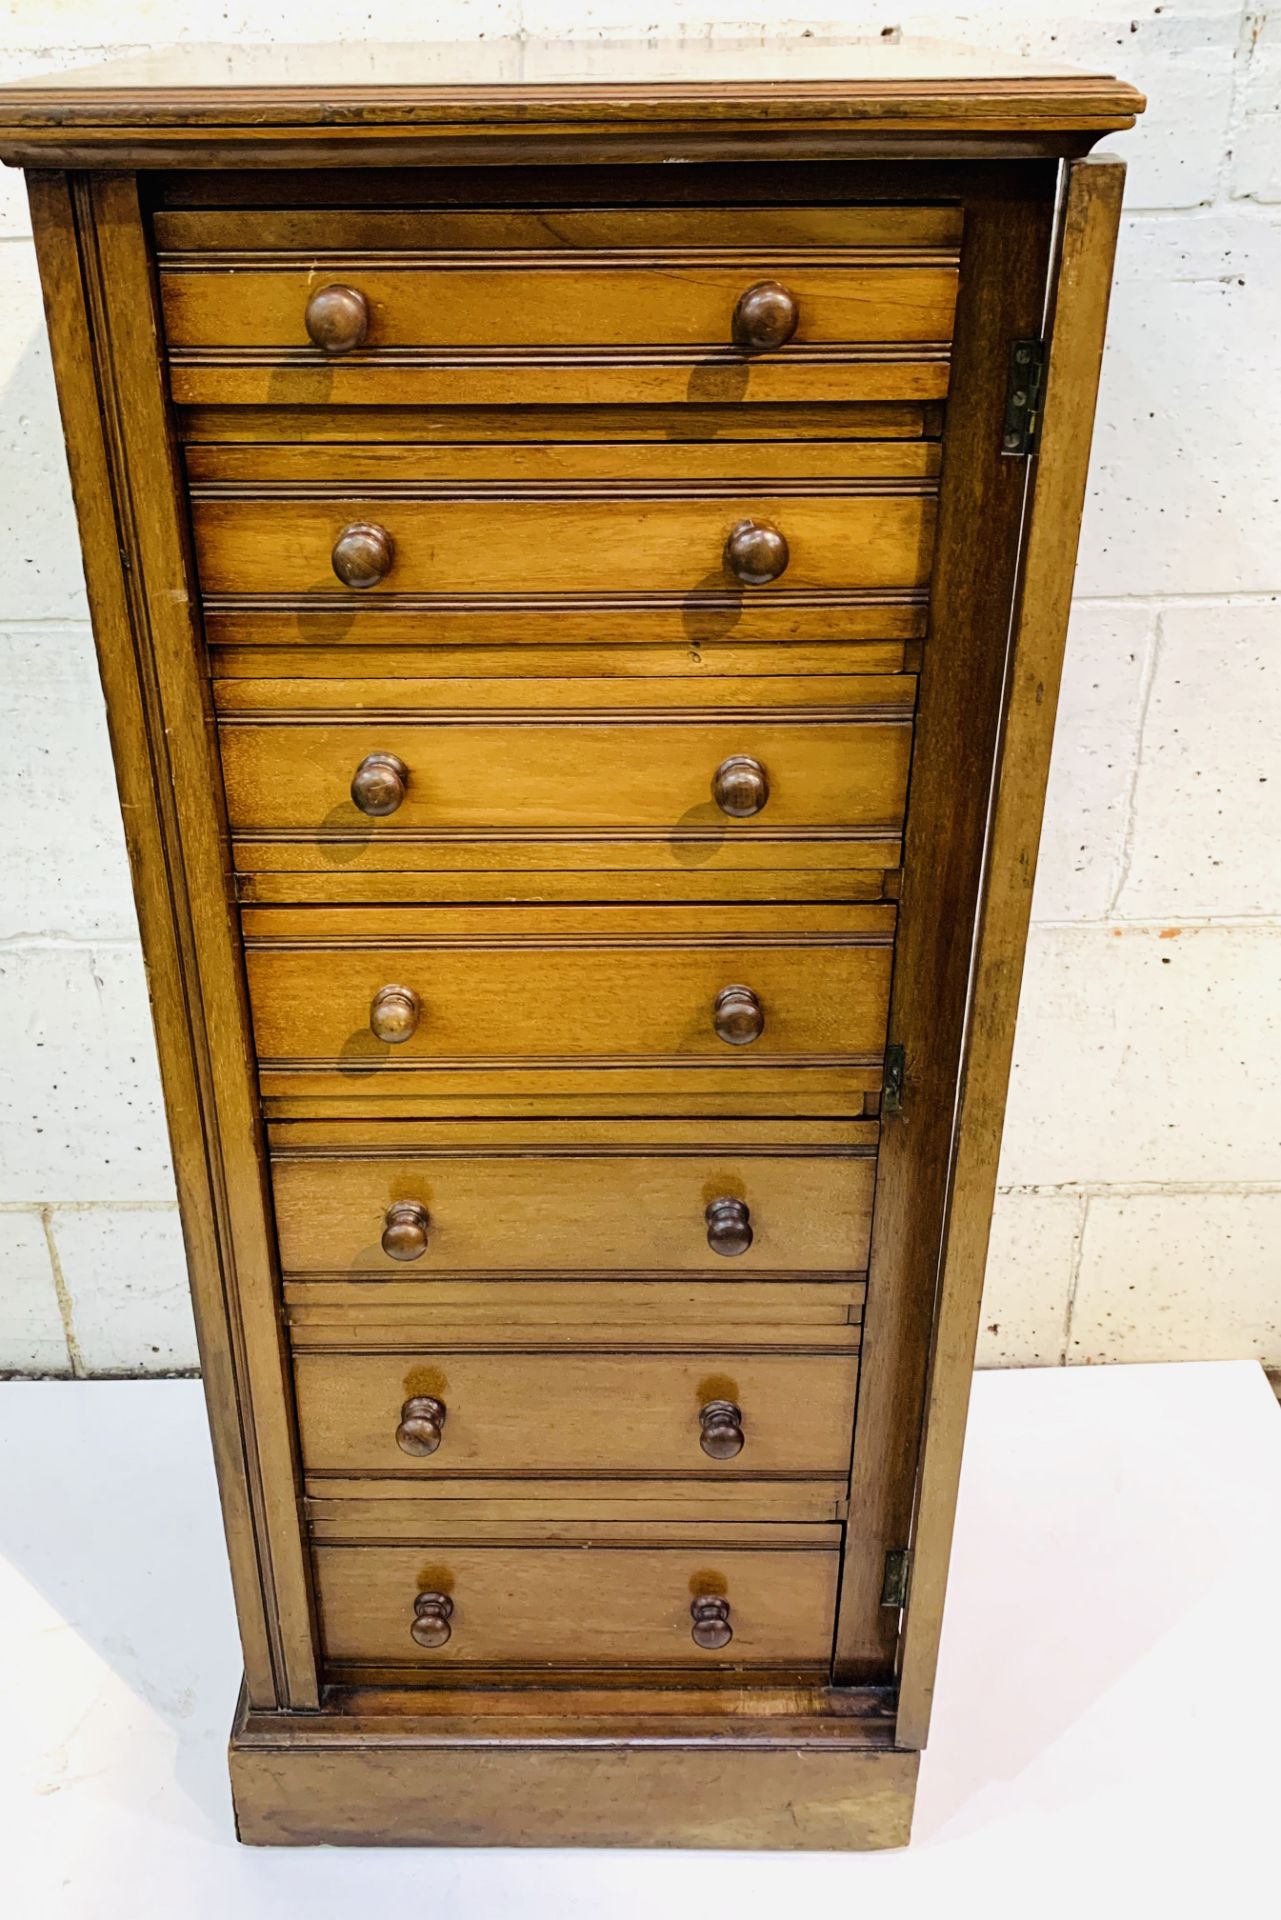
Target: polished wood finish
x=569, y=729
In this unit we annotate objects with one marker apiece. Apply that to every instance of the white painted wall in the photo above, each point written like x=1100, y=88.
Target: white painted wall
x=1140, y=1211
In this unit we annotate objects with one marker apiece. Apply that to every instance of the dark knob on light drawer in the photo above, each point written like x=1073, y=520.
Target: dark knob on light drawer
x=711, y=1628
x=337, y=319
x=740, y=786
x=738, y=1016
x=756, y=552
x=720, y=1429
x=765, y=317
x=432, y=1614
x=405, y=1230
x=393, y=1014
x=729, y=1227
x=363, y=554
x=422, y=1425
x=379, y=783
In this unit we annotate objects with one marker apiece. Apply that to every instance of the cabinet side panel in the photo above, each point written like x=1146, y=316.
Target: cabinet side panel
x=99, y=300
x=1091, y=211
x=1005, y=260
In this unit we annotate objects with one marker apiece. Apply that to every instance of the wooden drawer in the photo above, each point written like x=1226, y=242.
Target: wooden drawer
x=552, y=300
x=571, y=1210
x=583, y=543
x=592, y=1413
x=469, y=770
x=614, y=306
x=530, y=985
x=584, y=1605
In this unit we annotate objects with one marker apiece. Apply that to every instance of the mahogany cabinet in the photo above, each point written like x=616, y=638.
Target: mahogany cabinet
x=581, y=636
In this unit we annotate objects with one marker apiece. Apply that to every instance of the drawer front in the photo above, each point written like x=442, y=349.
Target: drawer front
x=717, y=1213
x=525, y=1000
x=577, y=1413
x=576, y=1606
x=564, y=301
x=590, y=544
x=468, y=771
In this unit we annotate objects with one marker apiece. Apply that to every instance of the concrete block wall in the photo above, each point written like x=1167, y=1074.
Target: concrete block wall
x=1140, y=1207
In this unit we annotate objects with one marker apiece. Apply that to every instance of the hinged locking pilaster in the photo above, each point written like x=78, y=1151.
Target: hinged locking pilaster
x=1023, y=398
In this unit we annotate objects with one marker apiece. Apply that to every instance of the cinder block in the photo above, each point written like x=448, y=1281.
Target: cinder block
x=31, y=1335
x=1086, y=803
x=1256, y=140
x=80, y=1107
x=1146, y=1054
x=126, y=1273
x=66, y=870
x=1029, y=1275
x=1179, y=1276
x=1206, y=840
x=1185, y=482
x=41, y=576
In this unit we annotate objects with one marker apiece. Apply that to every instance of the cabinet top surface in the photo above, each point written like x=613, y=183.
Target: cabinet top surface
x=902, y=88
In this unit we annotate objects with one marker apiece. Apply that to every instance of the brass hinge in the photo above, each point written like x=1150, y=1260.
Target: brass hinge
x=1023, y=398
x=892, y=1080
x=894, y=1586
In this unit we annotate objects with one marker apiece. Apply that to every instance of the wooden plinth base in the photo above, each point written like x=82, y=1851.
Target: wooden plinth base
x=811, y=1769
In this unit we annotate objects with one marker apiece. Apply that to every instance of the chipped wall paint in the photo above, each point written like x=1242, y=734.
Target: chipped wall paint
x=1140, y=1208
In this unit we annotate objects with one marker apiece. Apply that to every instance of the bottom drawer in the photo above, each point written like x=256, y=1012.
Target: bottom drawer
x=577, y=1606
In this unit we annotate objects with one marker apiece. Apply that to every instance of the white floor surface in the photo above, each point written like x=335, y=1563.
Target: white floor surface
x=1107, y=1735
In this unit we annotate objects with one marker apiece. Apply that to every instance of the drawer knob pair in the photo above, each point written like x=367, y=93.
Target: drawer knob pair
x=422, y=1425
x=737, y=1015
x=432, y=1624
x=740, y=785
x=765, y=317
x=406, y=1224
x=756, y=552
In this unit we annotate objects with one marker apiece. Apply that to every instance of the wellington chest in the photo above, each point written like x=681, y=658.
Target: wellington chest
x=579, y=547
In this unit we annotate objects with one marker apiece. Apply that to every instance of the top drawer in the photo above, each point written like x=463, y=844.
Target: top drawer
x=610, y=304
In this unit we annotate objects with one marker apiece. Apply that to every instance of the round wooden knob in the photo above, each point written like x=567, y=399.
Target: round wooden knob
x=729, y=1227
x=738, y=1016
x=756, y=553
x=721, y=1429
x=422, y=1425
x=405, y=1230
x=711, y=1628
x=432, y=1614
x=740, y=786
x=363, y=554
x=393, y=1014
x=765, y=317
x=337, y=319
x=378, y=784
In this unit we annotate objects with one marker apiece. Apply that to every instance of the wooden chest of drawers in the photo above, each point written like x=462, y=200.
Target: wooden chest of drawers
x=581, y=637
